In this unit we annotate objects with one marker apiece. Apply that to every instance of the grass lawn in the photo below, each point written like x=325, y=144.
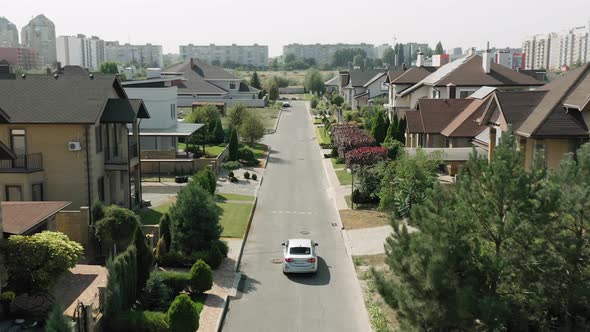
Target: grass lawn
x=355, y=219
x=152, y=216
x=344, y=177
x=258, y=149
x=211, y=150
x=322, y=137
x=221, y=197
x=235, y=218
x=336, y=164
x=267, y=115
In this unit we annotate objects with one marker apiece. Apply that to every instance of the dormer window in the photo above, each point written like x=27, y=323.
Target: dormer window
x=232, y=85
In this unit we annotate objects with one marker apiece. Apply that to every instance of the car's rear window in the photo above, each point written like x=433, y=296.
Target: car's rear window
x=300, y=251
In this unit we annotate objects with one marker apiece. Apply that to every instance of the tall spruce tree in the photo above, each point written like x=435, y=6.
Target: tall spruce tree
x=218, y=133
x=233, y=145
x=439, y=48
x=379, y=128
x=392, y=129
x=255, y=81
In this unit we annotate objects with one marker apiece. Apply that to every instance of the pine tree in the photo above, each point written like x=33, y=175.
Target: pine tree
x=218, y=133
x=233, y=145
x=379, y=130
x=255, y=81
x=165, y=230
x=439, y=48
x=401, y=131
x=145, y=258
x=393, y=128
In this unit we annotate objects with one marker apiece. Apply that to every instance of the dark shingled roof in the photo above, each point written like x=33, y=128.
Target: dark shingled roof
x=433, y=115
x=193, y=83
x=124, y=111
x=358, y=78
x=67, y=99
x=209, y=72
x=22, y=217
x=414, y=75
x=468, y=71
x=517, y=106
x=465, y=124
x=571, y=90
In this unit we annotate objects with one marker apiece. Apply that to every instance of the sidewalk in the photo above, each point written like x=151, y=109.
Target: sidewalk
x=223, y=285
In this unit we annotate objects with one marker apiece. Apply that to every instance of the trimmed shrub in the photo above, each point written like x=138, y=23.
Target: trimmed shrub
x=233, y=145
x=145, y=258
x=232, y=165
x=139, y=321
x=214, y=257
x=314, y=103
x=246, y=175
x=230, y=174
x=165, y=230
x=222, y=245
x=175, y=281
x=183, y=315
x=254, y=177
x=233, y=179
x=56, y=321
x=156, y=295
x=247, y=156
x=117, y=225
x=97, y=211
x=172, y=259
x=206, y=179
x=201, y=276
x=121, y=289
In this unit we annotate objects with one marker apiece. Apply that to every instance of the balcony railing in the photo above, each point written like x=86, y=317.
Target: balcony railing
x=23, y=163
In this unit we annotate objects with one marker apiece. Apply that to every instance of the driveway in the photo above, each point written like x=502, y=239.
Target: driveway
x=293, y=202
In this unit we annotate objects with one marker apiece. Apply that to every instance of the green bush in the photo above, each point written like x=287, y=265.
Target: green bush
x=230, y=174
x=117, y=225
x=201, y=277
x=314, y=103
x=57, y=322
x=121, y=289
x=97, y=211
x=156, y=295
x=176, y=281
x=206, y=179
x=165, y=231
x=248, y=157
x=233, y=145
x=222, y=245
x=214, y=257
x=233, y=179
x=246, y=175
x=145, y=258
x=232, y=165
x=183, y=315
x=254, y=177
x=172, y=259
x=139, y=321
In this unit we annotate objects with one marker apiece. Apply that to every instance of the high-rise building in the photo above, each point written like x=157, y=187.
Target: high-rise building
x=324, y=53
x=410, y=51
x=8, y=33
x=557, y=50
x=252, y=55
x=39, y=35
x=80, y=51
x=147, y=55
x=537, y=50
x=380, y=50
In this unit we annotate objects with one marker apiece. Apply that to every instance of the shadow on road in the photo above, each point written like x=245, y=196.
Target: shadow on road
x=278, y=160
x=321, y=278
x=247, y=284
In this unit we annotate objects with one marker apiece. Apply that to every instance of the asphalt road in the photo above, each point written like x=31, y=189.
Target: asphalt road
x=293, y=203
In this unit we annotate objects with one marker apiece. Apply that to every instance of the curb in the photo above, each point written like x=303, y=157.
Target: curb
x=277, y=124
x=219, y=325
x=239, y=259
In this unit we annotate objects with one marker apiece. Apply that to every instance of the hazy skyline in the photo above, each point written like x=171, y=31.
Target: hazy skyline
x=457, y=23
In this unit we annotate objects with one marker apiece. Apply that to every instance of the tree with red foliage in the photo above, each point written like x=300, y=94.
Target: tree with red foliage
x=366, y=156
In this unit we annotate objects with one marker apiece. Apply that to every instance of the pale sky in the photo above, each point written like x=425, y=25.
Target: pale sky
x=461, y=23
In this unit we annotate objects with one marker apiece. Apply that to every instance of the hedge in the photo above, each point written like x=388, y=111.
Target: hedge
x=176, y=281
x=139, y=321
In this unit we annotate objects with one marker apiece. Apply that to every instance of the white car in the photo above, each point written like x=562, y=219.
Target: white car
x=300, y=256
x=286, y=104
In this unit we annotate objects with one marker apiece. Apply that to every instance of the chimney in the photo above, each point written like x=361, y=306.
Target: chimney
x=451, y=91
x=420, y=59
x=486, y=60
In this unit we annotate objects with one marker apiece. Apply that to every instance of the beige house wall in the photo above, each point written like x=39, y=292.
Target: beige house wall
x=75, y=224
x=555, y=150
x=64, y=172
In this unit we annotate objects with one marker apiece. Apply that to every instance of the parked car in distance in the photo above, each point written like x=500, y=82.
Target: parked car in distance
x=286, y=104
x=300, y=256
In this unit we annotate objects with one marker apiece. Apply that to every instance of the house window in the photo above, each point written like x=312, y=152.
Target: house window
x=232, y=85
x=100, y=185
x=98, y=137
x=17, y=141
x=465, y=93
x=37, y=192
x=435, y=94
x=14, y=193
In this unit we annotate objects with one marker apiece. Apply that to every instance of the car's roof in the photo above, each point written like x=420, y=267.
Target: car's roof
x=299, y=243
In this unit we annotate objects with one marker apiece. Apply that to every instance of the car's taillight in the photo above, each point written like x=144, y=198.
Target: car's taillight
x=289, y=260
x=311, y=260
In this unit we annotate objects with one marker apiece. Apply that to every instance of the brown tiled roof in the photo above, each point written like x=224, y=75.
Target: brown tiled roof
x=194, y=83
x=414, y=75
x=393, y=74
x=358, y=78
x=414, y=122
x=471, y=74
x=570, y=89
x=21, y=217
x=436, y=114
x=465, y=124
x=517, y=106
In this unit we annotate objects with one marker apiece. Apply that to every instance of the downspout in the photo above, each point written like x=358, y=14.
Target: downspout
x=88, y=171
x=139, y=164
x=129, y=171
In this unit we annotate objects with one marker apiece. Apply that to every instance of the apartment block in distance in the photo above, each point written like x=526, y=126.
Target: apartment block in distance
x=8, y=33
x=324, y=53
x=251, y=55
x=80, y=51
x=26, y=58
x=147, y=55
x=39, y=35
x=555, y=51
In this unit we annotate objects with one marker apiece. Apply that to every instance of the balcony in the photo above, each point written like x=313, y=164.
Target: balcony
x=23, y=164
